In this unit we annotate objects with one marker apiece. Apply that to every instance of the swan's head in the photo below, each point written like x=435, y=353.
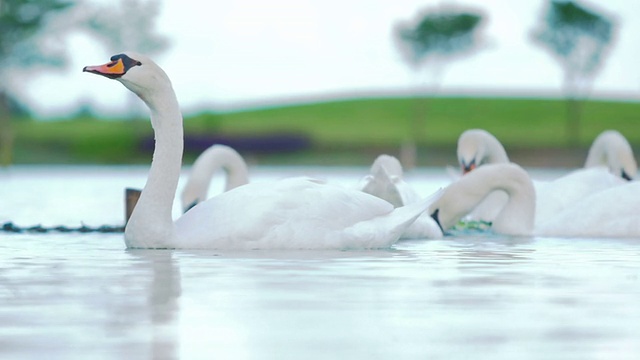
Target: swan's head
x=623, y=164
x=477, y=147
x=612, y=150
x=135, y=71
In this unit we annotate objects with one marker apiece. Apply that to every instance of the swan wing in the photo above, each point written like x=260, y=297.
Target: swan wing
x=295, y=213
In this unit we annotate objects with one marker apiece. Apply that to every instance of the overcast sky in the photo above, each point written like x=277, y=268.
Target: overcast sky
x=226, y=54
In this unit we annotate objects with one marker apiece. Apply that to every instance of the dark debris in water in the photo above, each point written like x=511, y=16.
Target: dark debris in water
x=11, y=227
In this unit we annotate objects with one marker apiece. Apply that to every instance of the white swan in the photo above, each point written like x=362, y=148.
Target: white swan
x=385, y=181
x=480, y=147
x=515, y=217
x=552, y=197
x=477, y=147
x=214, y=158
x=611, y=149
x=609, y=213
x=296, y=213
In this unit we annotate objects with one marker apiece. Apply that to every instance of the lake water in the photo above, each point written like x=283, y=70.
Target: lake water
x=468, y=296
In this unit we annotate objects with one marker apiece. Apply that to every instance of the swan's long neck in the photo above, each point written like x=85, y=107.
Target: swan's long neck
x=462, y=196
x=211, y=160
x=495, y=152
x=236, y=169
x=612, y=149
x=517, y=217
x=151, y=224
x=598, y=155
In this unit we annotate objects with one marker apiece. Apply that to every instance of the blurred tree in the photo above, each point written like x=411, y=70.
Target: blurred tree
x=128, y=26
x=579, y=39
x=432, y=40
x=23, y=44
x=31, y=33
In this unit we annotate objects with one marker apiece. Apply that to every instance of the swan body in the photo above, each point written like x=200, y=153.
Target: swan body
x=296, y=213
x=385, y=181
x=554, y=196
x=608, y=213
x=308, y=213
x=214, y=158
x=611, y=213
x=611, y=149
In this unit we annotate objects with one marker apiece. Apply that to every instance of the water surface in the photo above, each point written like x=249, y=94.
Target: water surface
x=468, y=296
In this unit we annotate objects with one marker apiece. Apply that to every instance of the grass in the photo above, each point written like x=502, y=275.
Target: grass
x=342, y=128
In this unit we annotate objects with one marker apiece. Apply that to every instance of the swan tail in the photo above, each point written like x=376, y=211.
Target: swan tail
x=383, y=231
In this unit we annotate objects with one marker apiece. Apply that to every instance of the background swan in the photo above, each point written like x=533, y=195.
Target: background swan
x=296, y=213
x=611, y=149
x=477, y=147
x=554, y=196
x=609, y=213
x=216, y=157
x=480, y=147
x=386, y=181
x=515, y=217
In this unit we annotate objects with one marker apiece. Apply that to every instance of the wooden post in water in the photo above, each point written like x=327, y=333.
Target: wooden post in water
x=131, y=197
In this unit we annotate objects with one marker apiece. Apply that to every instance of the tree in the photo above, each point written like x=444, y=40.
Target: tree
x=129, y=26
x=23, y=44
x=432, y=40
x=579, y=39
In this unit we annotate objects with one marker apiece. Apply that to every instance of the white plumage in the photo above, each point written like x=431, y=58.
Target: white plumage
x=296, y=213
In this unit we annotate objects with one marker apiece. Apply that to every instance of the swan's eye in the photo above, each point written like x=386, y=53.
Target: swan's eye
x=127, y=62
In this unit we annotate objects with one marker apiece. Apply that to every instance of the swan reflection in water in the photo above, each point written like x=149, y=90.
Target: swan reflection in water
x=164, y=291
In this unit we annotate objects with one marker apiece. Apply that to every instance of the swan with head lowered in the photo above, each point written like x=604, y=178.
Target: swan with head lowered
x=385, y=180
x=552, y=196
x=216, y=157
x=294, y=213
x=608, y=213
x=477, y=147
x=611, y=149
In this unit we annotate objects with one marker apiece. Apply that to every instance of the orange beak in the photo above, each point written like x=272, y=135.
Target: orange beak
x=470, y=167
x=112, y=70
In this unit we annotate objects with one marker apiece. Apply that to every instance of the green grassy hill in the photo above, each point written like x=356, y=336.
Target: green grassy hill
x=338, y=132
